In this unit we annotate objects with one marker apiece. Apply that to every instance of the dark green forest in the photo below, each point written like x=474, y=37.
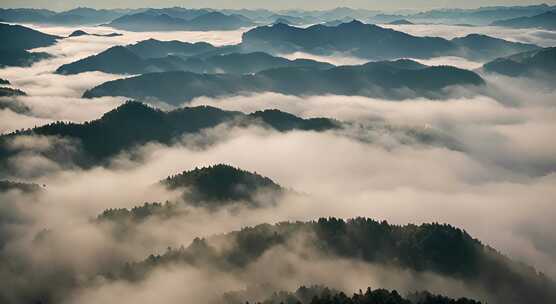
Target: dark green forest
x=437, y=248
x=323, y=295
x=383, y=79
x=134, y=124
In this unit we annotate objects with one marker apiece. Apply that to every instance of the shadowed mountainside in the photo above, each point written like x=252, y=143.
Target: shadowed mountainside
x=320, y=295
x=127, y=60
x=530, y=64
x=134, y=124
x=545, y=20
x=435, y=248
x=17, y=40
x=373, y=42
x=391, y=80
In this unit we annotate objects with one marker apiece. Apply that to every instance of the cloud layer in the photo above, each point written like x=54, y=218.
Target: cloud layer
x=491, y=171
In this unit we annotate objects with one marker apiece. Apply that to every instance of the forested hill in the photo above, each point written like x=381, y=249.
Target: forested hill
x=133, y=124
x=23, y=38
x=17, y=39
x=396, y=80
x=218, y=184
x=323, y=295
x=529, y=64
x=436, y=248
x=213, y=187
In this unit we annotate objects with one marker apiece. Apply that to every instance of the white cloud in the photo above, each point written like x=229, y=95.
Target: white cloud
x=536, y=36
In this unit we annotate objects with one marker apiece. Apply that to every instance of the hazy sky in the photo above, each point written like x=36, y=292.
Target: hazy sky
x=269, y=4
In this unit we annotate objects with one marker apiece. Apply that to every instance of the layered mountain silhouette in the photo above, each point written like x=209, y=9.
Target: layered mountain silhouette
x=545, y=20
x=80, y=15
x=388, y=79
x=433, y=248
x=373, y=42
x=130, y=60
x=353, y=37
x=18, y=39
x=25, y=15
x=83, y=15
x=480, y=16
x=154, y=20
x=529, y=64
x=290, y=20
x=134, y=124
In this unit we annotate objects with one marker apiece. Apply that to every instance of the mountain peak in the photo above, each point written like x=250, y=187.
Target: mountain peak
x=131, y=111
x=220, y=183
x=78, y=33
x=352, y=23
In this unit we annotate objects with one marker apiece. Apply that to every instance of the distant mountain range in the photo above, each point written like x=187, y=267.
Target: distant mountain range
x=529, y=64
x=373, y=42
x=479, y=16
x=389, y=79
x=81, y=15
x=136, y=59
x=134, y=124
x=545, y=21
x=17, y=40
x=153, y=20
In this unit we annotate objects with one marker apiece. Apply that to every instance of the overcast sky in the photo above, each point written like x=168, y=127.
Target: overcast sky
x=269, y=4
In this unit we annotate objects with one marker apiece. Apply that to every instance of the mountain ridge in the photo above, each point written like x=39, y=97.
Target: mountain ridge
x=374, y=79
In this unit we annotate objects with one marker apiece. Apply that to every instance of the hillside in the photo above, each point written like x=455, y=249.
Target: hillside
x=219, y=185
x=318, y=294
x=545, y=21
x=370, y=42
x=134, y=124
x=530, y=64
x=17, y=40
x=436, y=248
x=23, y=38
x=374, y=79
x=128, y=60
